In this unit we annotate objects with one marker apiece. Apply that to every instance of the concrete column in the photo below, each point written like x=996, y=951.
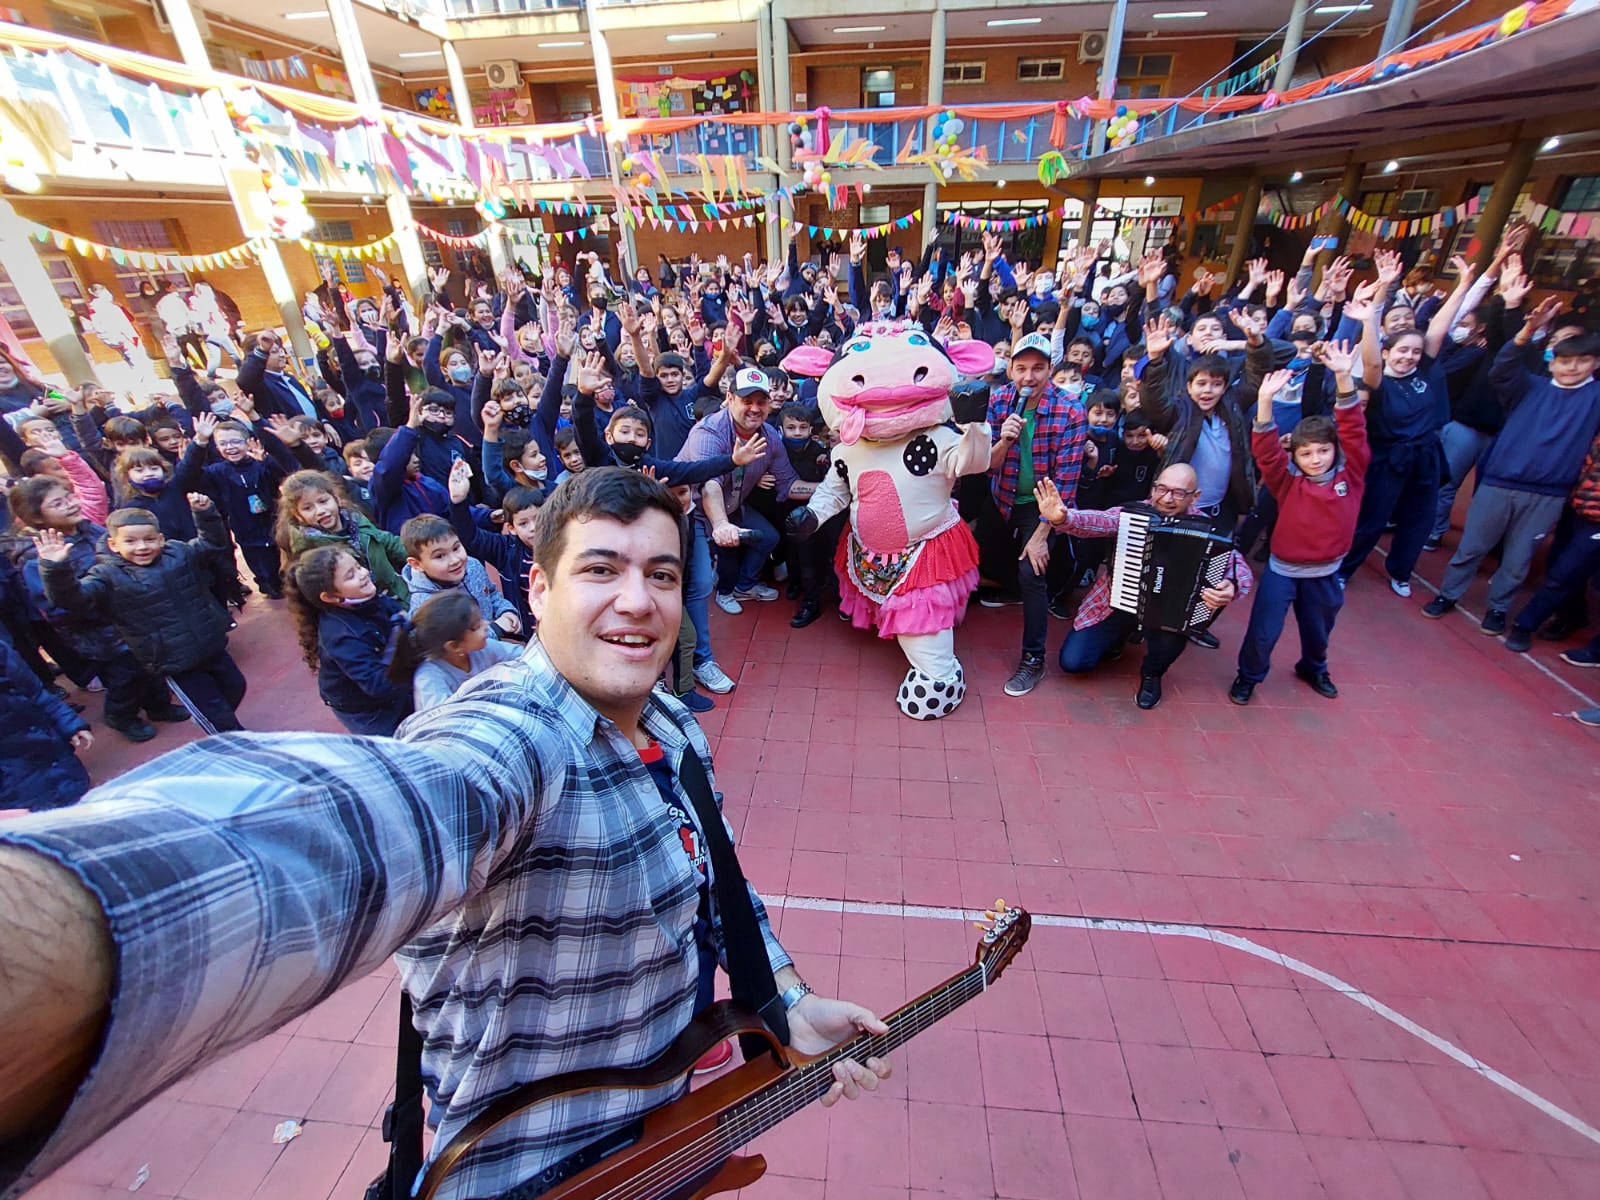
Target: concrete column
x=936, y=58
x=365, y=91
x=782, y=81
x=1086, y=223
x=19, y=256
x=192, y=47
x=1503, y=198
x=1402, y=13
x=1292, y=38
x=1108, y=68
x=1333, y=222
x=607, y=82
x=1241, y=231
x=771, y=88
x=458, y=83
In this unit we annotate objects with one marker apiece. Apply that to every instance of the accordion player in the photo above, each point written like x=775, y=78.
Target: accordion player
x=1163, y=563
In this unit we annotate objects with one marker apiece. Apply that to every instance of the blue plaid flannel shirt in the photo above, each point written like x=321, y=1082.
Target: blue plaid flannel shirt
x=510, y=846
x=1059, y=430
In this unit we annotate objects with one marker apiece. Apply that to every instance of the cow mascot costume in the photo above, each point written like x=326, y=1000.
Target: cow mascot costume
x=906, y=563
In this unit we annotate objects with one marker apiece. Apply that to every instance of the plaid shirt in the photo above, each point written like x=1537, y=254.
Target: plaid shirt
x=1059, y=430
x=510, y=845
x=1096, y=606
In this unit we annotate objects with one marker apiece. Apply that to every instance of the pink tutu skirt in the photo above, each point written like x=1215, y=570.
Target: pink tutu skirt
x=931, y=594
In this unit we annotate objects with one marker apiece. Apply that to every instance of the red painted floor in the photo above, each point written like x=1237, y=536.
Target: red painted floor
x=1427, y=842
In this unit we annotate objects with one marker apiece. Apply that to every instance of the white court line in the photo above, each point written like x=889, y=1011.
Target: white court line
x=1233, y=941
x=1588, y=701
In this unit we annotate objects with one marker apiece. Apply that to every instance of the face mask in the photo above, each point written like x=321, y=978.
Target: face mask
x=436, y=427
x=1100, y=430
x=373, y=372
x=1460, y=335
x=629, y=454
x=796, y=443
x=461, y=373
x=1549, y=354
x=1299, y=362
x=1090, y=322
x=1074, y=389
x=148, y=487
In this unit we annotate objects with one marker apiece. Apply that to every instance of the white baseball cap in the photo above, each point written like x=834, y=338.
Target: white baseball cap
x=749, y=380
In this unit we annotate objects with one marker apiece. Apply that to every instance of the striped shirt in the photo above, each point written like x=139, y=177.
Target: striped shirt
x=510, y=845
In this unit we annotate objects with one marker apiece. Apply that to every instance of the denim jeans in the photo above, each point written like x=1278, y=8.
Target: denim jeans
x=697, y=593
x=739, y=568
x=1567, y=573
x=1084, y=649
x=381, y=723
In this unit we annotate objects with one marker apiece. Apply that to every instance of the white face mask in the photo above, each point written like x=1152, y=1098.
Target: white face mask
x=1460, y=334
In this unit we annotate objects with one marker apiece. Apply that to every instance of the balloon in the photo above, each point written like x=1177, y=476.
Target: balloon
x=827, y=177
x=1514, y=20
x=955, y=125
x=1122, y=110
x=1269, y=101
x=627, y=164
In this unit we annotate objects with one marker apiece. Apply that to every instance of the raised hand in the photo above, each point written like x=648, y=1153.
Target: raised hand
x=1360, y=306
x=1514, y=282
x=1542, y=314
x=1340, y=357
x=1158, y=335
x=750, y=450
x=566, y=339
x=460, y=481
x=52, y=546
x=1274, y=286
x=858, y=248
x=628, y=318
x=283, y=429
x=1258, y=271
x=1463, y=269
x=1390, y=268
x=200, y=502
x=256, y=450
x=1273, y=384
x=438, y=276
x=492, y=415
x=592, y=374
x=1297, y=294
x=1151, y=268
x=1253, y=329
x=1051, y=506
x=205, y=424
x=486, y=359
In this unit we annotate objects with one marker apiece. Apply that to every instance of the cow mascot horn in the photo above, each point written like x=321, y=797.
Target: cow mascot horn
x=906, y=563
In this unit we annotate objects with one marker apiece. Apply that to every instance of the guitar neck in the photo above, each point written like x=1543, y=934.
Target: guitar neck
x=764, y=1110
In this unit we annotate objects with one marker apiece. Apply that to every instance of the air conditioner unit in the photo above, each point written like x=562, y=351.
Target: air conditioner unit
x=1417, y=200
x=504, y=73
x=1092, y=48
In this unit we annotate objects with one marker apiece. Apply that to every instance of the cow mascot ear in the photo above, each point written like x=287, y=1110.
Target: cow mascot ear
x=813, y=361
x=971, y=357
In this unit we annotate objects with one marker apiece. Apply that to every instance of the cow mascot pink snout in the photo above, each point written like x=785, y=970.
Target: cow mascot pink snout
x=906, y=563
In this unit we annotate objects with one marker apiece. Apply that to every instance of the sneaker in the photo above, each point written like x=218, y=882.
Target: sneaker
x=807, y=613
x=1583, y=657
x=697, y=703
x=1060, y=610
x=134, y=729
x=1438, y=607
x=1241, y=691
x=1343, y=582
x=1433, y=542
x=1493, y=623
x=1027, y=675
x=715, y=1058
x=1558, y=630
x=1588, y=716
x=1400, y=587
x=727, y=603
x=1519, y=640
x=172, y=714
x=1205, y=639
x=780, y=572
x=711, y=677
x=272, y=593
x=756, y=591
x=1317, y=681
x=1149, y=693
x=998, y=599
x=94, y=685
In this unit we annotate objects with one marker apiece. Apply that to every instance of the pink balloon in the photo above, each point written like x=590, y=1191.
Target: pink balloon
x=1270, y=100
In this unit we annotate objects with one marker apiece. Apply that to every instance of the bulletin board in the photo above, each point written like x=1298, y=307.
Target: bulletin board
x=677, y=95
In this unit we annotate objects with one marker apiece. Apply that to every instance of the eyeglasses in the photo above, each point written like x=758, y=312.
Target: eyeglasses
x=1172, y=493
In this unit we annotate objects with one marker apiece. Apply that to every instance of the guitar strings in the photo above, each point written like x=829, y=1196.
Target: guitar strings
x=790, y=1094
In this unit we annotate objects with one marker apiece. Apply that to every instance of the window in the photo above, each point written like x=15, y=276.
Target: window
x=1023, y=244
x=1143, y=76
x=153, y=236
x=1582, y=195
x=964, y=72
x=69, y=291
x=1032, y=70
x=875, y=214
x=333, y=231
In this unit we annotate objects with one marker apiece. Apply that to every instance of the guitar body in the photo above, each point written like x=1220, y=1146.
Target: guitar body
x=685, y=1150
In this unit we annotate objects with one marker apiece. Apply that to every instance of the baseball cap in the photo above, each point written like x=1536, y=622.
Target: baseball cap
x=1039, y=343
x=750, y=380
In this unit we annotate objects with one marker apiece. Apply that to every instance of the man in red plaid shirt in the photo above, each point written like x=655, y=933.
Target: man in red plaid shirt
x=1038, y=433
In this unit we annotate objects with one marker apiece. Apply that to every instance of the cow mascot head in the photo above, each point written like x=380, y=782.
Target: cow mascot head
x=906, y=562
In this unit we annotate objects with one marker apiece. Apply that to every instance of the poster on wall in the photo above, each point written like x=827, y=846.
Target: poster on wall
x=682, y=94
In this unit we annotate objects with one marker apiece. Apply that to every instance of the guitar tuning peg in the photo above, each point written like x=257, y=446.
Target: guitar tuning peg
x=999, y=906
x=980, y=927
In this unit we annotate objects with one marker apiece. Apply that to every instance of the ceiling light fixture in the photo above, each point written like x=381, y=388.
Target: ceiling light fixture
x=421, y=54
x=1335, y=10
x=1149, y=181
x=1297, y=177
x=309, y=14
x=996, y=24
x=1193, y=14
x=692, y=37
x=1550, y=144
x=1390, y=167
x=999, y=183
x=561, y=45
x=860, y=28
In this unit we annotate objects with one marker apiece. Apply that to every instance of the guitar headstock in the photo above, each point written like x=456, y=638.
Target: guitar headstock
x=1005, y=932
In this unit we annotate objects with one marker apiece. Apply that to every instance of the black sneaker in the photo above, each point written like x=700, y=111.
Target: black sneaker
x=1438, y=607
x=695, y=702
x=1205, y=639
x=1317, y=681
x=1583, y=657
x=1433, y=543
x=133, y=729
x=1519, y=640
x=805, y=615
x=998, y=599
x=1060, y=610
x=1241, y=691
x=1149, y=694
x=1027, y=675
x=172, y=714
x=1558, y=630
x=1493, y=623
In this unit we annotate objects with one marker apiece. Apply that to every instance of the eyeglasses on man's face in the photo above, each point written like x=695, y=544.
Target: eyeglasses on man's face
x=1161, y=490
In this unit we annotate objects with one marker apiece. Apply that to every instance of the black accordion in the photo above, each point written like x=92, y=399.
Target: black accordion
x=1161, y=566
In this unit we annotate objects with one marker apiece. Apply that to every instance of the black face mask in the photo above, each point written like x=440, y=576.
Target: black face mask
x=629, y=454
x=437, y=428
x=793, y=443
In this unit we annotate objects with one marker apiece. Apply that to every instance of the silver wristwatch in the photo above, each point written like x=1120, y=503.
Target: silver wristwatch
x=794, y=995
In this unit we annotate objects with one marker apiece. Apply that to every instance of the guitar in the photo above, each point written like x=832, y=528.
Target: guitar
x=685, y=1150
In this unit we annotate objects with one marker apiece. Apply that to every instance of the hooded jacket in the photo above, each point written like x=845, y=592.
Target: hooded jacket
x=38, y=769
x=380, y=552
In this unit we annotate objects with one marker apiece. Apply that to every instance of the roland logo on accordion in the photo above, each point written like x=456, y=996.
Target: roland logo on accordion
x=1163, y=564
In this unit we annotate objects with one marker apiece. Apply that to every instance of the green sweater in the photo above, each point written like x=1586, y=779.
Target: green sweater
x=382, y=552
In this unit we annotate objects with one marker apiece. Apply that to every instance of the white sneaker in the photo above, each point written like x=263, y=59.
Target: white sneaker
x=756, y=591
x=711, y=677
x=728, y=603
x=1401, y=588
x=781, y=572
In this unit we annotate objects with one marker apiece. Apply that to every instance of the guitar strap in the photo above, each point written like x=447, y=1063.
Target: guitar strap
x=749, y=968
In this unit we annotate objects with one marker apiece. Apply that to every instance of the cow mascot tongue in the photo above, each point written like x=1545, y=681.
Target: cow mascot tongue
x=906, y=564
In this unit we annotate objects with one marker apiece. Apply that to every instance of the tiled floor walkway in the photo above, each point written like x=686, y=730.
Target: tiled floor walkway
x=1429, y=839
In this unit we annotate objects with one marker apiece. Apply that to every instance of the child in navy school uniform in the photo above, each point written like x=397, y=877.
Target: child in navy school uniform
x=245, y=485
x=510, y=554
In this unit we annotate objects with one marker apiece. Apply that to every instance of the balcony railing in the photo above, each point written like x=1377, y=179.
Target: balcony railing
x=457, y=10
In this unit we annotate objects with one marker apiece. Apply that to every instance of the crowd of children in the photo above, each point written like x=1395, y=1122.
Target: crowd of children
x=392, y=501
